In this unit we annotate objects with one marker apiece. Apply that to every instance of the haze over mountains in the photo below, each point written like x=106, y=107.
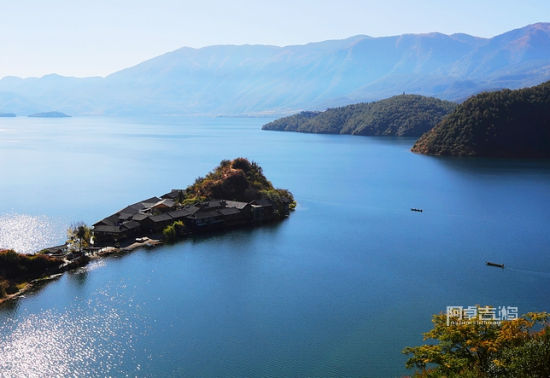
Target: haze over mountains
x=258, y=79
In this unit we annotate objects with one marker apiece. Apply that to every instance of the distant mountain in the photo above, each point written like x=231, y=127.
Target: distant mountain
x=404, y=115
x=49, y=115
x=8, y=115
x=264, y=80
x=505, y=123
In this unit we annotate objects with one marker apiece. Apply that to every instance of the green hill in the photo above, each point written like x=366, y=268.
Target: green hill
x=506, y=123
x=404, y=115
x=239, y=180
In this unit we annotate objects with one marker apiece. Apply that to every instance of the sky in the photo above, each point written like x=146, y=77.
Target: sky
x=99, y=37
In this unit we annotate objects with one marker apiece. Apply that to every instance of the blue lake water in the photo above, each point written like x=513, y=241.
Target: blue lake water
x=338, y=289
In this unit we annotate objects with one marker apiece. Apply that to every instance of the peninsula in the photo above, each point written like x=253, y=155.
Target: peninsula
x=403, y=115
x=506, y=123
x=49, y=115
x=235, y=194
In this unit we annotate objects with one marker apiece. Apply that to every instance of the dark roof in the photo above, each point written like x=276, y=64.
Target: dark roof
x=132, y=209
x=109, y=221
x=173, y=194
x=130, y=225
x=160, y=218
x=136, y=207
x=166, y=202
x=185, y=212
x=139, y=217
x=236, y=204
x=214, y=204
x=125, y=216
x=203, y=214
x=110, y=229
x=150, y=200
x=229, y=211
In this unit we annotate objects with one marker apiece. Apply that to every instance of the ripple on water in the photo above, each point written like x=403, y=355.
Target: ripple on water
x=29, y=233
x=89, y=339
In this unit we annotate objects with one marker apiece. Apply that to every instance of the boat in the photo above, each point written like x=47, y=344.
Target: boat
x=415, y=209
x=495, y=265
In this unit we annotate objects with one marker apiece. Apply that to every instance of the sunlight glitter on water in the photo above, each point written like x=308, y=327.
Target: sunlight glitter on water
x=52, y=344
x=91, y=338
x=29, y=233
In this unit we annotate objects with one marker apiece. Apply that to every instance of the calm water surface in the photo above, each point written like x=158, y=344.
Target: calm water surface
x=338, y=289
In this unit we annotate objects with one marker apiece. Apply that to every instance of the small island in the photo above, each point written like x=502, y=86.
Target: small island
x=403, y=115
x=8, y=115
x=235, y=194
x=49, y=115
x=506, y=123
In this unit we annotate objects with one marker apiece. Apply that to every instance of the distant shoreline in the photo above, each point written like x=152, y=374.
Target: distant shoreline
x=49, y=115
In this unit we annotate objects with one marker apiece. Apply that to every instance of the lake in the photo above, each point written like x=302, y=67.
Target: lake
x=337, y=289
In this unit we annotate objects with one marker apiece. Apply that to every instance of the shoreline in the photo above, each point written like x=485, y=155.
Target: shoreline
x=88, y=255
x=70, y=265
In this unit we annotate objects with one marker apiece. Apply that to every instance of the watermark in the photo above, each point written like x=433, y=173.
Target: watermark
x=477, y=314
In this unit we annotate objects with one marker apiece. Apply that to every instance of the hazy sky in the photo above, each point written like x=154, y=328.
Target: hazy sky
x=98, y=37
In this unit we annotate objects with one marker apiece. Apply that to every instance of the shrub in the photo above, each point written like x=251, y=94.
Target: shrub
x=173, y=232
x=513, y=348
x=241, y=163
x=19, y=267
x=282, y=199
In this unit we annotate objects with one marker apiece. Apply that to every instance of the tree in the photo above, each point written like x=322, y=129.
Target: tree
x=519, y=347
x=79, y=233
x=173, y=232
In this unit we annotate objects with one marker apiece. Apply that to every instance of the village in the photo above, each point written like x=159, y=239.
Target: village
x=142, y=223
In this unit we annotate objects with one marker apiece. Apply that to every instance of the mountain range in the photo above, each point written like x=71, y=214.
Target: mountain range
x=271, y=80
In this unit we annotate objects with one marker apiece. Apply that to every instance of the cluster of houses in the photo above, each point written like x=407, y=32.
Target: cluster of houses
x=151, y=216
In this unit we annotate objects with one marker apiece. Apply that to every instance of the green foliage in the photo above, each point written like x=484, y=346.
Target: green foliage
x=173, y=232
x=502, y=123
x=18, y=267
x=239, y=180
x=79, y=235
x=514, y=348
x=405, y=115
x=282, y=199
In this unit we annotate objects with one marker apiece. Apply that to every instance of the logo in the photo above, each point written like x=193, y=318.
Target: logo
x=476, y=314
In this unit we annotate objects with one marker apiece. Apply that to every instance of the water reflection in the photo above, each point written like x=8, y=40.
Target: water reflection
x=493, y=166
x=28, y=233
x=240, y=235
x=89, y=339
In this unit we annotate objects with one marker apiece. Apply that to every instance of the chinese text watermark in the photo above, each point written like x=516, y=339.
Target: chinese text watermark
x=486, y=314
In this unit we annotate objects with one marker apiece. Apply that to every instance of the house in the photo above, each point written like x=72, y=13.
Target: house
x=163, y=206
x=175, y=195
x=154, y=214
x=183, y=213
x=156, y=223
x=124, y=223
x=106, y=233
x=206, y=218
x=262, y=210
